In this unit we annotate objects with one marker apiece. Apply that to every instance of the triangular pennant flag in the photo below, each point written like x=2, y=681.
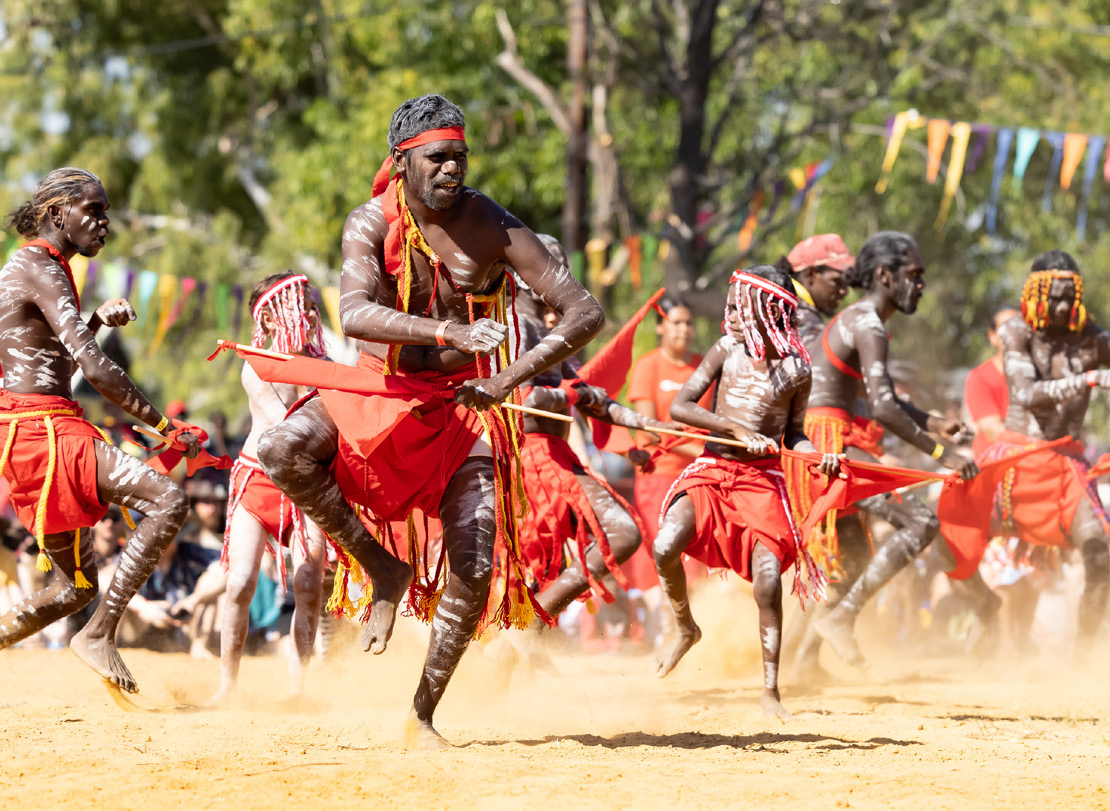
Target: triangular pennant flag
x=937, y=135
x=80, y=266
x=1074, y=145
x=1005, y=140
x=1106, y=166
x=608, y=368
x=1057, y=141
x=1094, y=155
x=188, y=285
x=167, y=290
x=961, y=132
x=978, y=147
x=91, y=279
x=1027, y=140
x=893, y=145
x=111, y=280
x=237, y=294
x=196, y=312
x=747, y=231
x=330, y=295
x=148, y=280
x=222, y=300
x=129, y=282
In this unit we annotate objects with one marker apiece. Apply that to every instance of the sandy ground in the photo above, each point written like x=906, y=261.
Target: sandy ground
x=606, y=734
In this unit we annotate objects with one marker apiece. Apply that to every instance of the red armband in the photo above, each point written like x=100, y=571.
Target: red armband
x=441, y=333
x=568, y=386
x=1092, y=379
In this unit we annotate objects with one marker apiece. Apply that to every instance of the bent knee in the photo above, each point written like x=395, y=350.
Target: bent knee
x=275, y=451
x=931, y=524
x=83, y=596
x=240, y=589
x=307, y=582
x=625, y=539
x=174, y=505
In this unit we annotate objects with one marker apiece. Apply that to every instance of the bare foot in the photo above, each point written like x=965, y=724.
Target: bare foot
x=101, y=655
x=839, y=634
x=772, y=707
x=224, y=698
x=686, y=639
x=421, y=735
x=389, y=590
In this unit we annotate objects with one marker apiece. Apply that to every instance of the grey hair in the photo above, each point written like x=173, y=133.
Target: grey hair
x=429, y=112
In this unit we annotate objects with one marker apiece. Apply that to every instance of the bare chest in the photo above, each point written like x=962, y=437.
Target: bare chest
x=1053, y=360
x=754, y=389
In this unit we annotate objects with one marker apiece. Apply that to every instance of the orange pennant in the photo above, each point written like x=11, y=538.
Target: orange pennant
x=937, y=141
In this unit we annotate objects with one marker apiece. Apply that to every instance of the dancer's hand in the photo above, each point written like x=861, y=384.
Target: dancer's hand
x=482, y=337
x=638, y=457
x=482, y=393
x=755, y=443
x=830, y=464
x=115, y=312
x=950, y=429
x=156, y=614
x=965, y=467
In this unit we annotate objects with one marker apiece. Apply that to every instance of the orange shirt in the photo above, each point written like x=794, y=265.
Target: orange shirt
x=656, y=379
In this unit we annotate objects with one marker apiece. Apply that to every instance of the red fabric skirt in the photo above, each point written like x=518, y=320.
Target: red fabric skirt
x=738, y=505
x=1036, y=500
x=73, y=501
x=558, y=511
x=398, y=452
x=251, y=490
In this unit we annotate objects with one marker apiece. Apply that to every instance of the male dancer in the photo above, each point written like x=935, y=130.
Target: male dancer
x=730, y=507
x=1053, y=356
x=854, y=350
x=422, y=262
x=817, y=266
x=63, y=474
x=286, y=316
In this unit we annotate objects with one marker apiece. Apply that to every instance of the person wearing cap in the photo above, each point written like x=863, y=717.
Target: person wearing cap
x=817, y=266
x=425, y=290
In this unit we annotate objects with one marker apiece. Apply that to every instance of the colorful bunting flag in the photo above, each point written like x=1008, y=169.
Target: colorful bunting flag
x=1094, y=154
x=1074, y=146
x=961, y=132
x=1004, y=141
x=1027, y=140
x=937, y=140
x=1057, y=141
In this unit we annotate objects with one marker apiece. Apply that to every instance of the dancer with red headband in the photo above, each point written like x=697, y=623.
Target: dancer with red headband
x=1053, y=357
x=63, y=473
x=285, y=316
x=853, y=361
x=730, y=507
x=425, y=290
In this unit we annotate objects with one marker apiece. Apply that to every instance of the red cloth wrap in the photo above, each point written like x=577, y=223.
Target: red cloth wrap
x=1048, y=481
x=74, y=501
x=399, y=448
x=559, y=511
x=250, y=489
x=738, y=505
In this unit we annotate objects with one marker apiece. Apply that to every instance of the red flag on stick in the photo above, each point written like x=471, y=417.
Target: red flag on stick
x=965, y=509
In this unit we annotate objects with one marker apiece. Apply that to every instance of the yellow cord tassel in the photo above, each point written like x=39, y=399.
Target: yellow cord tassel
x=79, y=578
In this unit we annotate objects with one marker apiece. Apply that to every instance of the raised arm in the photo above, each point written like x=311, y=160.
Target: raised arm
x=554, y=284
x=1021, y=375
x=363, y=318
x=59, y=308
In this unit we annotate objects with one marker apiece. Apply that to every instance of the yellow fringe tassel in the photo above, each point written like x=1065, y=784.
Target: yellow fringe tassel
x=79, y=578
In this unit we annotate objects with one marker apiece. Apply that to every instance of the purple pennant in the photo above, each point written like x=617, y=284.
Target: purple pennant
x=978, y=147
x=780, y=185
x=129, y=284
x=198, y=311
x=1090, y=169
x=90, y=279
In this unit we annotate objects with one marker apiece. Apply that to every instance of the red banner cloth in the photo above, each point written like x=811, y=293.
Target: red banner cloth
x=965, y=508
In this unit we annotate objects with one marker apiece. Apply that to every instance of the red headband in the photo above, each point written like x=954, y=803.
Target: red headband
x=381, y=179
